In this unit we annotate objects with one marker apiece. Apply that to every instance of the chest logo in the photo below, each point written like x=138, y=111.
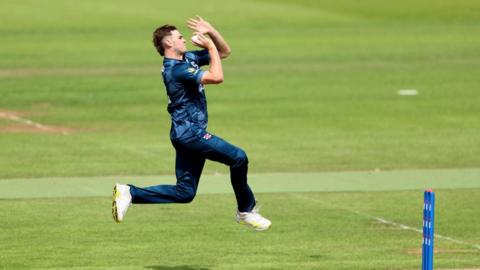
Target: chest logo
x=194, y=64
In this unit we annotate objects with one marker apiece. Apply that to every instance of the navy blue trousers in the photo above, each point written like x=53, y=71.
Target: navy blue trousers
x=190, y=159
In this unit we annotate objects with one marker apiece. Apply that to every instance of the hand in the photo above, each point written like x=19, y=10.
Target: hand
x=201, y=41
x=199, y=25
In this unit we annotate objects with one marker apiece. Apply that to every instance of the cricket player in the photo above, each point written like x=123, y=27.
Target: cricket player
x=187, y=105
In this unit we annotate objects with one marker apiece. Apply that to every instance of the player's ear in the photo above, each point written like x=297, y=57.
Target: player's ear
x=167, y=42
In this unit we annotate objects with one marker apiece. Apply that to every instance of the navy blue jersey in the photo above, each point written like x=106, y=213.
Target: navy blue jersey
x=187, y=102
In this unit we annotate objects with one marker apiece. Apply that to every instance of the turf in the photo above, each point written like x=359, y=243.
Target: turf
x=50, y=187
x=311, y=91
x=310, y=85
x=312, y=230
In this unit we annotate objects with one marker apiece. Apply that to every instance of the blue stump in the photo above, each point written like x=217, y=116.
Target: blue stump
x=428, y=236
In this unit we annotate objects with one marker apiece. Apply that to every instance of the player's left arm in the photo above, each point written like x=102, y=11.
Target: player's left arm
x=201, y=26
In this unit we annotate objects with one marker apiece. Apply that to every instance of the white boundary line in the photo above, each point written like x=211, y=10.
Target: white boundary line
x=395, y=224
x=28, y=122
x=406, y=227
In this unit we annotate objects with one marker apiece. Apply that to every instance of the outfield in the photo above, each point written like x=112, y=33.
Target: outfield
x=64, y=223
x=339, y=159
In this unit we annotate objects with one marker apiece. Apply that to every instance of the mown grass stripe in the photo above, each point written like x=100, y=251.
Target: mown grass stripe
x=265, y=183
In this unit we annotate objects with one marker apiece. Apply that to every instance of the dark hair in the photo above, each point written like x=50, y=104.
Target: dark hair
x=159, y=34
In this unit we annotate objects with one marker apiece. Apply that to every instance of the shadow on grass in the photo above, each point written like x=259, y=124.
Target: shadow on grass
x=315, y=256
x=180, y=267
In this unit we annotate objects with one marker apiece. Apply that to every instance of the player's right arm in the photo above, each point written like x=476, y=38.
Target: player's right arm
x=214, y=75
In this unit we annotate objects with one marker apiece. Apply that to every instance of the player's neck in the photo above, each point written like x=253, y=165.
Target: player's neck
x=173, y=55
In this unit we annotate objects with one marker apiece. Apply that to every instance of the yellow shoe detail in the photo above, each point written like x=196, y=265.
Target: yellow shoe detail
x=114, y=205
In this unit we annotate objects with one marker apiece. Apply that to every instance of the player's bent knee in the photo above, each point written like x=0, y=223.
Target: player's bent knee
x=185, y=195
x=241, y=158
x=186, y=198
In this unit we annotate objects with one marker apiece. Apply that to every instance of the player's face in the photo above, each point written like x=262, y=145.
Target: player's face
x=178, y=42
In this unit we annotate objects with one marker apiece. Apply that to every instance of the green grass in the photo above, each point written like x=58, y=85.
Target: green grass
x=310, y=231
x=330, y=221
x=311, y=87
x=100, y=186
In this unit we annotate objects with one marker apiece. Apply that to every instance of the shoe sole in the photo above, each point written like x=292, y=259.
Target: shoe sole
x=253, y=227
x=114, y=205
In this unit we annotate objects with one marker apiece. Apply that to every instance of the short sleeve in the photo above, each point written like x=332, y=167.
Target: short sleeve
x=186, y=73
x=202, y=57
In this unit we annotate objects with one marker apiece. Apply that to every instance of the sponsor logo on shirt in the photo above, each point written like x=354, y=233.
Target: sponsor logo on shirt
x=207, y=136
x=194, y=65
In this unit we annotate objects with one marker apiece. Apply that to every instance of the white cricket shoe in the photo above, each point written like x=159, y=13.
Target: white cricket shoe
x=253, y=219
x=122, y=199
